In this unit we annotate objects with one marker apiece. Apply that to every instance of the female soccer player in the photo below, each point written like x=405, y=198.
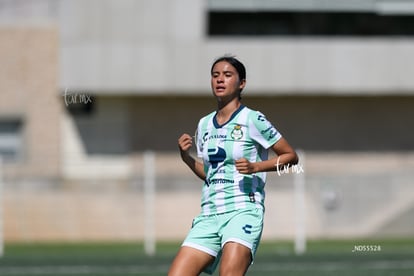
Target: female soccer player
x=233, y=142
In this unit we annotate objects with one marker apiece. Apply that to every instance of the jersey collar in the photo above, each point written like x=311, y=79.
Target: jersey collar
x=217, y=125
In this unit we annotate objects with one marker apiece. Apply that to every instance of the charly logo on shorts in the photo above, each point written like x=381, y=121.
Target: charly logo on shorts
x=237, y=133
x=247, y=229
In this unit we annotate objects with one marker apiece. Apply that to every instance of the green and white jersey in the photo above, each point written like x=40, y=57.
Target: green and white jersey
x=247, y=134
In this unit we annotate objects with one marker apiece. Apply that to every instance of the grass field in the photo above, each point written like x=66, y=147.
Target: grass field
x=380, y=257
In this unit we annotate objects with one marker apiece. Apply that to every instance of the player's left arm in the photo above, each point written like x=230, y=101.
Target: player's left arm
x=285, y=156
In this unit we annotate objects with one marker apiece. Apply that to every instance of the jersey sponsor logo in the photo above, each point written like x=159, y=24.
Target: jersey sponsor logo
x=266, y=130
x=237, y=133
x=207, y=137
x=216, y=156
x=272, y=134
x=220, y=181
x=217, y=136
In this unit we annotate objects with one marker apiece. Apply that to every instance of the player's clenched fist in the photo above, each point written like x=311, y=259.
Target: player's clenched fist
x=185, y=142
x=244, y=166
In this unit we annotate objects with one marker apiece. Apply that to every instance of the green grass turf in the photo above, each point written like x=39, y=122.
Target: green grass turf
x=395, y=257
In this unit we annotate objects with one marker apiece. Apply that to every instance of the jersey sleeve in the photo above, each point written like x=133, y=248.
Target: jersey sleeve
x=199, y=141
x=262, y=131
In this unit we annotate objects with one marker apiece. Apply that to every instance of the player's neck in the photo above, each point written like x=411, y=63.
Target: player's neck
x=225, y=111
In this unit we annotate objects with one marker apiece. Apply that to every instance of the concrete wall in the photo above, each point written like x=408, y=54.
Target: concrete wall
x=28, y=93
x=161, y=47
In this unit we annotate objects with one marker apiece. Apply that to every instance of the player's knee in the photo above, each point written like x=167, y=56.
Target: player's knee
x=189, y=263
x=177, y=271
x=235, y=260
x=232, y=269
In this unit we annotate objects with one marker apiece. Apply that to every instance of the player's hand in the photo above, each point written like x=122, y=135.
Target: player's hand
x=185, y=142
x=244, y=166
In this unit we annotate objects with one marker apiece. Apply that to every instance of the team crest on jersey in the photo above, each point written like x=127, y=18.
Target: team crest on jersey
x=237, y=133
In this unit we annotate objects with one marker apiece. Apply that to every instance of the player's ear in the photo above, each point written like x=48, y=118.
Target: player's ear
x=242, y=84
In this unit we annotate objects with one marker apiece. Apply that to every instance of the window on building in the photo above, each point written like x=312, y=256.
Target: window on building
x=310, y=18
x=308, y=24
x=11, y=140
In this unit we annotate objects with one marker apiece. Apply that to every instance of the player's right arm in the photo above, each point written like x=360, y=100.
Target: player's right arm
x=185, y=142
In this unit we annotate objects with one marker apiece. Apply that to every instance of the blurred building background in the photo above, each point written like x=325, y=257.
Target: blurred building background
x=88, y=86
